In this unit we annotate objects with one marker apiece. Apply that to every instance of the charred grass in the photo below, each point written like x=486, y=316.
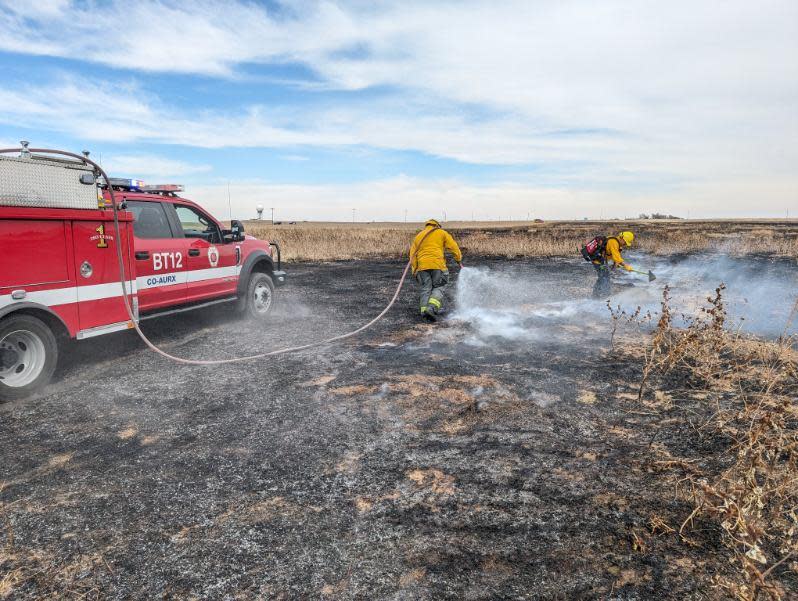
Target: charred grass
x=662, y=468
x=329, y=242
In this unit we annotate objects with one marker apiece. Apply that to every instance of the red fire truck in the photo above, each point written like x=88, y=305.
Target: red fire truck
x=59, y=273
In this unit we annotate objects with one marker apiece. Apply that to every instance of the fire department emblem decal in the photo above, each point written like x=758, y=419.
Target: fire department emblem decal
x=213, y=256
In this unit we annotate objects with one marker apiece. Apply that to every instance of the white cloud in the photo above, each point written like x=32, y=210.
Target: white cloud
x=148, y=166
x=699, y=93
x=381, y=199
x=199, y=37
x=101, y=112
x=692, y=168
x=387, y=200
x=41, y=9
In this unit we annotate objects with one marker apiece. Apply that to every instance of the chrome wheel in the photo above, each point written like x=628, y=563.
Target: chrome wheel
x=22, y=358
x=262, y=298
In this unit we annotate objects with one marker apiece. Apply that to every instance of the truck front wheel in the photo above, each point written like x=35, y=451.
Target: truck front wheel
x=28, y=355
x=259, y=297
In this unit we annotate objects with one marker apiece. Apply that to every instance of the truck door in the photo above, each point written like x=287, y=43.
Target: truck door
x=99, y=292
x=159, y=255
x=36, y=259
x=212, y=265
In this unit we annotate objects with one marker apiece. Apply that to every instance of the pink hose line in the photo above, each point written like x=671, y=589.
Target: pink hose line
x=282, y=351
x=134, y=321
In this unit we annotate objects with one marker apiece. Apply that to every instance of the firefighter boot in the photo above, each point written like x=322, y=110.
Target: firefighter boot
x=435, y=306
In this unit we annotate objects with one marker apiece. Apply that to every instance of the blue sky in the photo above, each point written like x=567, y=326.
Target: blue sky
x=564, y=109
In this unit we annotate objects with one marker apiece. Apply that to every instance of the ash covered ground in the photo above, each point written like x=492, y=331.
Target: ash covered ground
x=364, y=470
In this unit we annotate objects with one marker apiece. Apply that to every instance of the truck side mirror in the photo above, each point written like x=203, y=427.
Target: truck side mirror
x=236, y=230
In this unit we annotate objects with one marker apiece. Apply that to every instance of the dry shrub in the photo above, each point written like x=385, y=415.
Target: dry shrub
x=620, y=315
x=746, y=485
x=329, y=242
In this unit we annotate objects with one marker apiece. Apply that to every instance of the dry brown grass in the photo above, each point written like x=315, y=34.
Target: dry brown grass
x=744, y=484
x=328, y=242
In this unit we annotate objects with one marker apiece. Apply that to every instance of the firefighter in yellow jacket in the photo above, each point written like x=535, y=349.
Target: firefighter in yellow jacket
x=429, y=266
x=611, y=258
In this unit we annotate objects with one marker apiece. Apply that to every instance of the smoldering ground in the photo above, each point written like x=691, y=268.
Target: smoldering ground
x=511, y=303
x=360, y=470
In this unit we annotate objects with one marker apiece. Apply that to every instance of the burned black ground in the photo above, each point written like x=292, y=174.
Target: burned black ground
x=358, y=471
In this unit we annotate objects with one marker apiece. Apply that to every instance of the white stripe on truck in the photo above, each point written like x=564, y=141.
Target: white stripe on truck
x=75, y=294
x=68, y=296
x=197, y=275
x=101, y=291
x=54, y=296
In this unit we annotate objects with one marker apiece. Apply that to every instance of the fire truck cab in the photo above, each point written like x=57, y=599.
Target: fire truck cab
x=59, y=267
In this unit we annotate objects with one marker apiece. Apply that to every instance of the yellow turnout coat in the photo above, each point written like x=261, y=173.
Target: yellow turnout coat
x=429, y=253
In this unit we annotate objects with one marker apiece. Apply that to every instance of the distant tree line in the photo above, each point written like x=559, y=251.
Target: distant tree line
x=658, y=216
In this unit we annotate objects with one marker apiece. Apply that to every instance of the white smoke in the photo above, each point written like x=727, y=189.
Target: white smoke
x=529, y=301
x=759, y=293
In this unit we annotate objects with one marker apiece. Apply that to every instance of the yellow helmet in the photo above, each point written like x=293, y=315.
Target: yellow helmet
x=627, y=237
x=432, y=222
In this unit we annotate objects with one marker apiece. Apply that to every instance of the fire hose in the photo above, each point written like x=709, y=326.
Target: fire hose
x=123, y=282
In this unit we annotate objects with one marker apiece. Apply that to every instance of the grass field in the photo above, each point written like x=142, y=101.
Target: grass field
x=319, y=241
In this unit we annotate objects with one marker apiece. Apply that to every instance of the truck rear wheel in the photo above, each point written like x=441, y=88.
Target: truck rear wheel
x=28, y=355
x=259, y=299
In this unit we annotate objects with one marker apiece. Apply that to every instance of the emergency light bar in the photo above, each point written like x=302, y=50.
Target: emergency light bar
x=163, y=188
x=137, y=185
x=123, y=182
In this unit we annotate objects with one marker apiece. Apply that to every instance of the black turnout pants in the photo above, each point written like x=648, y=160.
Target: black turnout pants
x=602, y=289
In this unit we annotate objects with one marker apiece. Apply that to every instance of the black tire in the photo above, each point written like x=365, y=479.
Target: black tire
x=258, y=300
x=29, y=356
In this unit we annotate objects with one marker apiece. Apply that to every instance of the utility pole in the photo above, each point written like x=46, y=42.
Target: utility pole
x=405, y=215
x=353, y=215
x=272, y=208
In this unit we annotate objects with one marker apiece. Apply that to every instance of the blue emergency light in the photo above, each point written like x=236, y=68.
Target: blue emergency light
x=123, y=182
